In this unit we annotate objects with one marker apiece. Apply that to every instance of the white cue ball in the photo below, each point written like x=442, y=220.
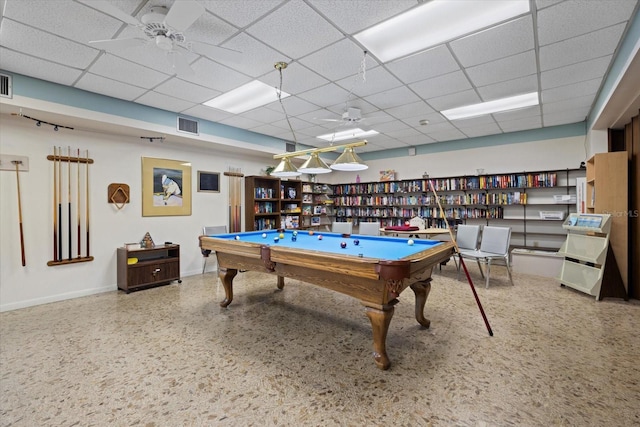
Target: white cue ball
x=410, y=242
x=264, y=235
x=237, y=237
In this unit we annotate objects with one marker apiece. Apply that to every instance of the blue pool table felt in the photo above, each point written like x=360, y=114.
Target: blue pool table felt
x=386, y=248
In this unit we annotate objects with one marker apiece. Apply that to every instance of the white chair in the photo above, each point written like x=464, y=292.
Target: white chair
x=342, y=227
x=369, y=228
x=494, y=246
x=467, y=241
x=416, y=221
x=210, y=231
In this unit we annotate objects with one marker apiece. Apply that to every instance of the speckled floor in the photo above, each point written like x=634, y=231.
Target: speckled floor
x=170, y=356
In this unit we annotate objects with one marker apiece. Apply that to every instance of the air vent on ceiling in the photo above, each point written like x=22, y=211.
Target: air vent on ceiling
x=187, y=125
x=5, y=86
x=290, y=147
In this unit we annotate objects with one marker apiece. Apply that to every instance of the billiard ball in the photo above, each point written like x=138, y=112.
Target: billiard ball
x=319, y=236
x=281, y=235
x=343, y=245
x=407, y=223
x=237, y=237
x=294, y=238
x=295, y=233
x=264, y=235
x=310, y=232
x=356, y=242
x=410, y=242
x=276, y=239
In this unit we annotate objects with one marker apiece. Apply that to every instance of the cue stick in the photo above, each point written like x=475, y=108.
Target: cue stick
x=55, y=211
x=59, y=204
x=455, y=244
x=78, y=179
x=18, y=163
x=69, y=194
x=86, y=186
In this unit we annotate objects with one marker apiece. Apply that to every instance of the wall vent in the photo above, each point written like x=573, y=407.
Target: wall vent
x=290, y=147
x=187, y=125
x=6, y=90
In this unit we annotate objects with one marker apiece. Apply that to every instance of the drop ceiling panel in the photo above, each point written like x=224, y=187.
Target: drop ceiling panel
x=256, y=58
x=339, y=60
x=525, y=123
x=441, y=85
x=512, y=67
x=265, y=115
x=481, y=130
x=422, y=66
x=392, y=98
x=215, y=76
x=293, y=103
x=588, y=87
x=498, y=42
x=575, y=73
x=187, y=91
x=158, y=100
x=127, y=72
x=99, y=84
x=454, y=100
x=375, y=80
x=581, y=48
x=38, y=68
x=328, y=94
x=410, y=110
x=554, y=119
x=508, y=88
x=295, y=30
x=353, y=16
x=578, y=104
x=240, y=12
x=573, y=18
x=207, y=113
x=447, y=135
x=521, y=113
x=30, y=41
x=304, y=80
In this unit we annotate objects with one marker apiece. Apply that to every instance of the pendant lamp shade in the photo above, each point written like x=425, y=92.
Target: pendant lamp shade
x=349, y=161
x=314, y=165
x=285, y=168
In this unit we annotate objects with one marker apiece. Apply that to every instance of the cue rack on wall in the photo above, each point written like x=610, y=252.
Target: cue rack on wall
x=70, y=206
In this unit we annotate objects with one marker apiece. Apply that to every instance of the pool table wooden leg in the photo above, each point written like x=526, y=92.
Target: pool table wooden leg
x=422, y=289
x=380, y=320
x=280, y=283
x=226, y=276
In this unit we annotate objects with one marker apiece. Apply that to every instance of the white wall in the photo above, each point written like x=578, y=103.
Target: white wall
x=117, y=160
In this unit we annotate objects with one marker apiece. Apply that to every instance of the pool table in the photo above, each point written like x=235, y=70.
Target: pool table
x=372, y=269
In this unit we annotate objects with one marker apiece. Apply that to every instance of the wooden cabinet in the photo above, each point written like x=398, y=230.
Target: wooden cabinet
x=262, y=201
x=141, y=268
x=317, y=205
x=608, y=193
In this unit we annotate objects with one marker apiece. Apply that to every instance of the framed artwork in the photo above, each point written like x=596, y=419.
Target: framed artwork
x=166, y=187
x=387, y=175
x=209, y=182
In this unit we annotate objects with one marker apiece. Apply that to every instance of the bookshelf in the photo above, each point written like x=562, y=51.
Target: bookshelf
x=272, y=203
x=589, y=265
x=533, y=204
x=317, y=205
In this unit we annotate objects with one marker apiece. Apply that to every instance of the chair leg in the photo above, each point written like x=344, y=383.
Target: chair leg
x=480, y=268
x=509, y=272
x=488, y=273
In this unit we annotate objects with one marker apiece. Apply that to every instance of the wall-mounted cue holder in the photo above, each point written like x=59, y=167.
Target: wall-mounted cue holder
x=70, y=191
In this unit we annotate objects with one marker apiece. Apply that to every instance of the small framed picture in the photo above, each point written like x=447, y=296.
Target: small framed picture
x=208, y=182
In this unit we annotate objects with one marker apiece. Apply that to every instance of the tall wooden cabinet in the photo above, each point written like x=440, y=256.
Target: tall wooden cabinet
x=607, y=193
x=272, y=203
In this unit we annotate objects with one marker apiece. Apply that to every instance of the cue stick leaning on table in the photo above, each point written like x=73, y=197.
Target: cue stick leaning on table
x=455, y=244
x=18, y=163
x=69, y=195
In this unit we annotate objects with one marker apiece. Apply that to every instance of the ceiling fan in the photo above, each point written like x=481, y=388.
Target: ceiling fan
x=165, y=29
x=351, y=117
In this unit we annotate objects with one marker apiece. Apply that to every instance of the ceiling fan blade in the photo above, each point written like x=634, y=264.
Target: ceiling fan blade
x=180, y=64
x=117, y=44
x=183, y=13
x=214, y=52
x=106, y=7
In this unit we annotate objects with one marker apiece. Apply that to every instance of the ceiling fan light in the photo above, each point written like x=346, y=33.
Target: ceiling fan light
x=164, y=43
x=349, y=161
x=285, y=169
x=314, y=165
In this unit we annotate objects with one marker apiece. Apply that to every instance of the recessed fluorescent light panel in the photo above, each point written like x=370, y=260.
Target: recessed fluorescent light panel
x=347, y=134
x=495, y=106
x=434, y=23
x=247, y=97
